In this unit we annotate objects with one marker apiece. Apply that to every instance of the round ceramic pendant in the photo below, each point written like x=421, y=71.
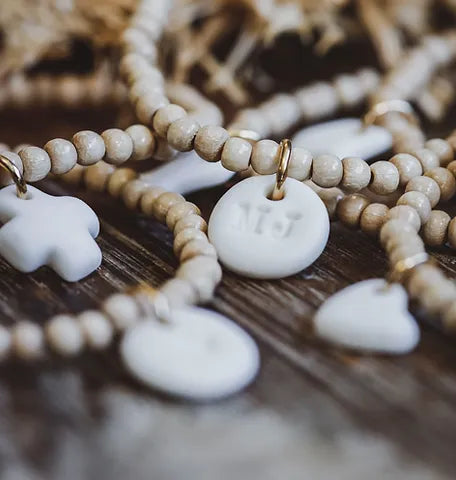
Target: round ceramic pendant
x=262, y=238
x=199, y=354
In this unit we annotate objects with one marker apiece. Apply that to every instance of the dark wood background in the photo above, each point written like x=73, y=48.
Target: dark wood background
x=314, y=412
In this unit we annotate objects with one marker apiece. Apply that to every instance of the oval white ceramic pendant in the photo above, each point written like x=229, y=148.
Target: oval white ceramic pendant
x=345, y=138
x=199, y=354
x=369, y=316
x=262, y=238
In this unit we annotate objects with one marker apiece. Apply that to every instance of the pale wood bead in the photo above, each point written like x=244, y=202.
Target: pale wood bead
x=405, y=251
x=119, y=179
x=204, y=286
x=300, y=164
x=426, y=157
x=148, y=105
x=451, y=167
x=317, y=100
x=439, y=296
x=350, y=208
x=179, y=292
x=132, y=192
x=407, y=214
x=178, y=211
x=327, y=170
x=5, y=343
x=196, y=248
x=373, y=218
x=186, y=236
x=5, y=177
x=143, y=87
x=385, y=178
x=408, y=167
x=63, y=155
x=265, y=157
x=96, y=328
x=96, y=176
x=445, y=181
x=90, y=147
x=135, y=40
x=27, y=340
x=209, y=142
x=119, y=146
x=435, y=230
x=64, y=335
x=393, y=227
x=143, y=142
x=203, y=267
x=164, y=202
x=442, y=149
x=356, y=174
x=236, y=154
x=427, y=186
x=148, y=199
x=402, y=239
x=190, y=221
x=349, y=90
x=419, y=202
x=452, y=233
x=164, y=151
x=36, y=163
x=74, y=176
x=421, y=278
x=122, y=310
x=165, y=116
x=331, y=198
x=181, y=134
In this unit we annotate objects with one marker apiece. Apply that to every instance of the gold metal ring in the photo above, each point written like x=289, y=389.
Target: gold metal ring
x=282, y=169
x=16, y=175
x=244, y=133
x=380, y=109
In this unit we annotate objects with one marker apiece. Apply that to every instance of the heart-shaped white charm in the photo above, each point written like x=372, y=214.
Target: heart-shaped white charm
x=370, y=316
x=345, y=138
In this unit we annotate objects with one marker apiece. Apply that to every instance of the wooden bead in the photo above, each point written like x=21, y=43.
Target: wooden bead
x=406, y=213
x=179, y=292
x=185, y=236
x=356, y=174
x=402, y=239
x=148, y=199
x=445, y=181
x=427, y=186
x=206, y=267
x=181, y=134
x=197, y=247
x=435, y=229
x=96, y=176
x=190, y=221
x=143, y=142
x=118, y=180
x=119, y=146
x=442, y=149
x=236, y=154
x=63, y=155
x=421, y=278
x=426, y=157
x=96, y=329
x=27, y=340
x=36, y=163
x=165, y=116
x=5, y=177
x=406, y=251
x=65, y=335
x=438, y=297
x=90, y=147
x=5, y=343
x=209, y=142
x=122, y=310
x=331, y=198
x=385, y=178
x=327, y=171
x=148, y=105
x=451, y=167
x=408, y=167
x=178, y=211
x=265, y=157
x=74, y=176
x=300, y=164
x=393, y=227
x=373, y=217
x=350, y=208
x=132, y=192
x=419, y=202
x=143, y=87
x=452, y=233
x=164, y=202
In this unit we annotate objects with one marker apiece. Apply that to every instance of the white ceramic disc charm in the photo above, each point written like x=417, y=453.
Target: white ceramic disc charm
x=369, y=316
x=199, y=354
x=262, y=238
x=46, y=230
x=345, y=138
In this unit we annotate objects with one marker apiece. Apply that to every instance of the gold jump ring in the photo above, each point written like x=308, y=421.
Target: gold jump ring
x=380, y=109
x=16, y=175
x=282, y=169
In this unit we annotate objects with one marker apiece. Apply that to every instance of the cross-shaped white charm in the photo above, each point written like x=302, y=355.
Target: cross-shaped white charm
x=46, y=230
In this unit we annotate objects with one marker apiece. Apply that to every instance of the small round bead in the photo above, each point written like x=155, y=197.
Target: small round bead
x=435, y=229
x=96, y=176
x=74, y=176
x=393, y=227
x=373, y=218
x=148, y=199
x=148, y=105
x=90, y=147
x=350, y=208
x=64, y=335
x=442, y=149
x=300, y=164
x=119, y=146
x=203, y=285
x=5, y=177
x=122, y=310
x=179, y=292
x=27, y=340
x=421, y=277
x=408, y=167
x=164, y=202
x=403, y=239
x=265, y=157
x=438, y=297
x=405, y=213
x=132, y=192
x=405, y=251
x=119, y=179
x=426, y=157
x=143, y=142
x=5, y=343
x=186, y=236
x=327, y=170
x=190, y=221
x=96, y=328
x=178, y=211
x=331, y=198
x=165, y=116
x=36, y=162
x=452, y=233
x=427, y=186
x=445, y=181
x=195, y=248
x=385, y=178
x=209, y=142
x=419, y=202
x=181, y=134
x=63, y=155
x=356, y=174
x=200, y=267
x=236, y=154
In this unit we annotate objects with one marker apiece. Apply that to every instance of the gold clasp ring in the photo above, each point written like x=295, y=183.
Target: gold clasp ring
x=282, y=169
x=16, y=175
x=380, y=109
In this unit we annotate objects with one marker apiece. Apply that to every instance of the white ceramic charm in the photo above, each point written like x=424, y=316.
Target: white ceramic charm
x=369, y=316
x=198, y=355
x=187, y=173
x=262, y=238
x=345, y=138
x=46, y=230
